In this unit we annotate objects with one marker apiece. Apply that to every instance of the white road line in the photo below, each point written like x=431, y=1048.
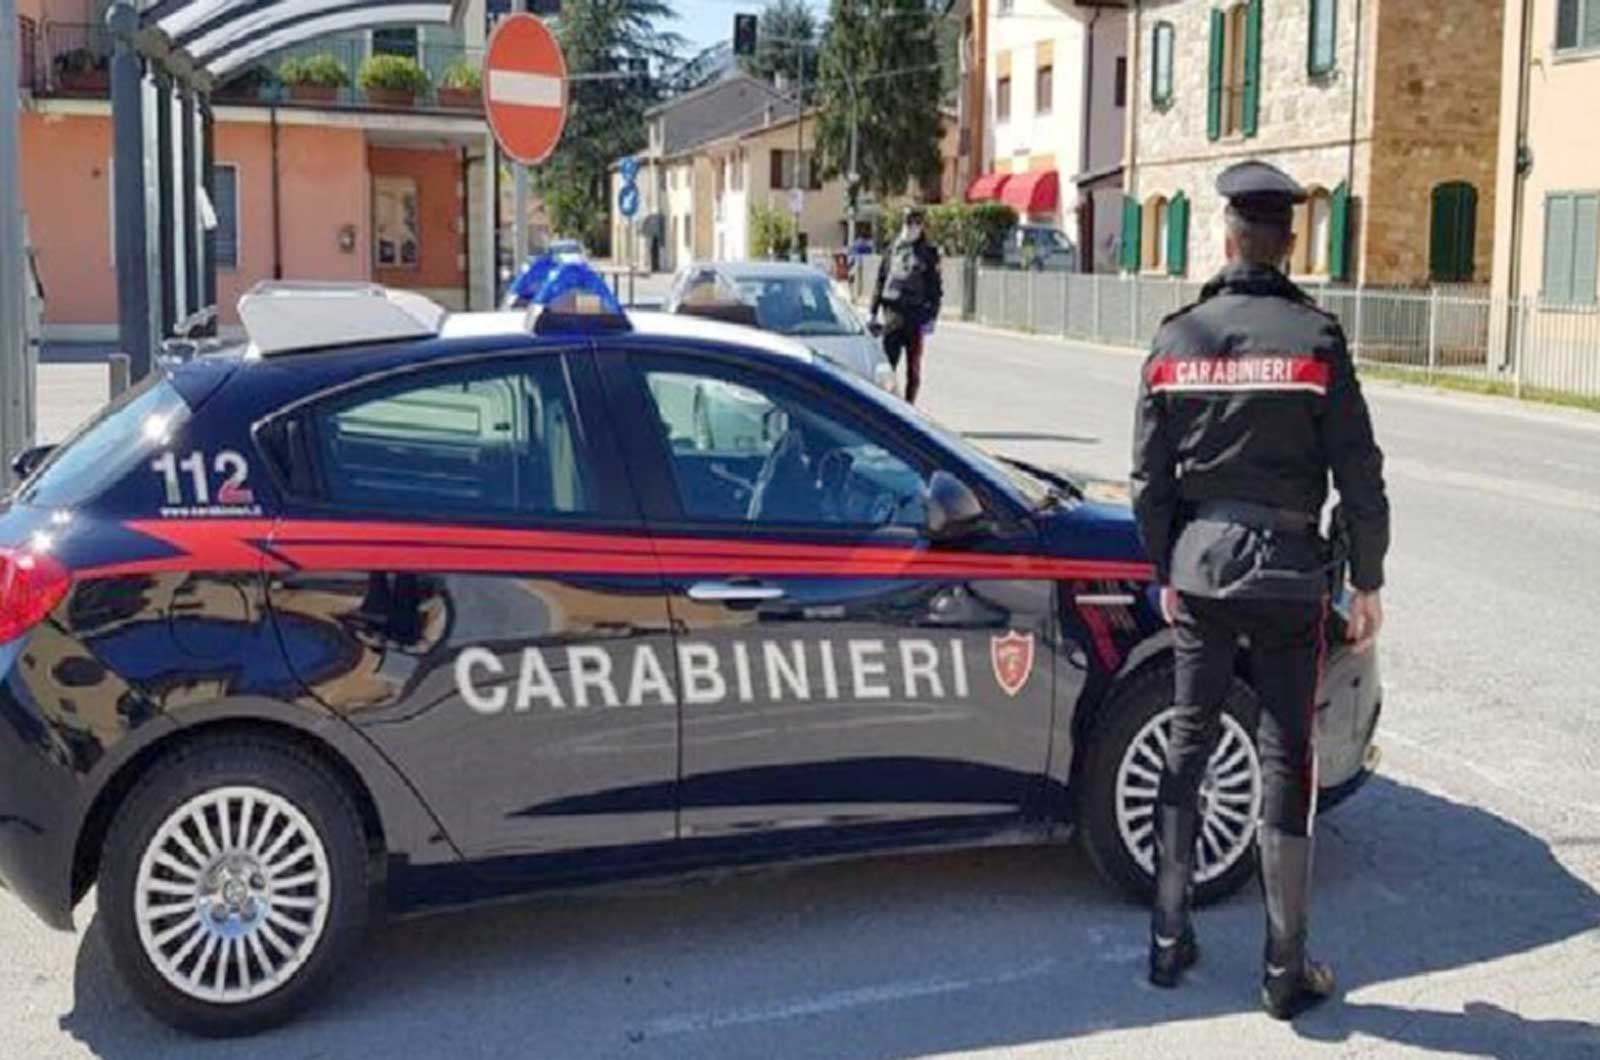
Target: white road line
x=839, y=1001
x=527, y=90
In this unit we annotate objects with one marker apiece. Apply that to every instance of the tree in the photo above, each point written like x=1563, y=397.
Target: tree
x=605, y=116
x=782, y=23
x=886, y=54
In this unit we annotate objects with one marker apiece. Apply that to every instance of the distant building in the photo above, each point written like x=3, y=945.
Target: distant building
x=339, y=188
x=1041, y=114
x=1386, y=110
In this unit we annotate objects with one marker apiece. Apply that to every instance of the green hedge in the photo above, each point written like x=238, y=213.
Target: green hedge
x=395, y=73
x=323, y=69
x=957, y=228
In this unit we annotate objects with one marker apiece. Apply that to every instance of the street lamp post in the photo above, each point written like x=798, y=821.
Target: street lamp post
x=13, y=264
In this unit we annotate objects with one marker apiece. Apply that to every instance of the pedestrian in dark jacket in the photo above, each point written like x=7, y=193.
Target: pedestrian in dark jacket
x=1249, y=402
x=909, y=292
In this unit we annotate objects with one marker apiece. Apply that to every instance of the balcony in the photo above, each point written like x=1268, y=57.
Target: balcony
x=73, y=60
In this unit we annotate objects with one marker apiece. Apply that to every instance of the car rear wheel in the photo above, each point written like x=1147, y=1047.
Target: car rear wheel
x=1117, y=805
x=233, y=882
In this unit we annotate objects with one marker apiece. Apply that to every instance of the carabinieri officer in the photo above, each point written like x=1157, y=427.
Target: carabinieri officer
x=1249, y=400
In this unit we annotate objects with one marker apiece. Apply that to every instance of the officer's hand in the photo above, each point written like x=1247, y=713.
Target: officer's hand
x=1171, y=604
x=1366, y=619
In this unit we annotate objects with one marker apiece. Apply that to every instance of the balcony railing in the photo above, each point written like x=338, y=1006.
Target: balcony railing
x=72, y=59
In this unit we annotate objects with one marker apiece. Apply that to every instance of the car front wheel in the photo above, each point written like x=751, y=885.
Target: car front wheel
x=1117, y=807
x=233, y=882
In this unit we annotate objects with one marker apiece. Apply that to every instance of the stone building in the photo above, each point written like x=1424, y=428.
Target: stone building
x=1387, y=111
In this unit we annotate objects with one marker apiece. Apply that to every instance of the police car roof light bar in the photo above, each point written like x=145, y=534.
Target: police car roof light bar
x=575, y=298
x=288, y=316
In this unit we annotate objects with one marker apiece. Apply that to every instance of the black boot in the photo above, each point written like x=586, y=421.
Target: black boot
x=1172, y=943
x=1291, y=983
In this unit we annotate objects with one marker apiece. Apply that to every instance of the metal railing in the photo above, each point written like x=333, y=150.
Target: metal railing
x=75, y=59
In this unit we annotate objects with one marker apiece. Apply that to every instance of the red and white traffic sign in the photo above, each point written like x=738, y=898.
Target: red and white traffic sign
x=525, y=88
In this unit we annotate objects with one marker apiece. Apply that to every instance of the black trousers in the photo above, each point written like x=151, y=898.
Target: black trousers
x=904, y=336
x=1285, y=645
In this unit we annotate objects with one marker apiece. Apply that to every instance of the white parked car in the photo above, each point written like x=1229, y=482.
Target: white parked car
x=787, y=298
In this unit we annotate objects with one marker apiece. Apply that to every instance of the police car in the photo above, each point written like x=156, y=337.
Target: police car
x=393, y=609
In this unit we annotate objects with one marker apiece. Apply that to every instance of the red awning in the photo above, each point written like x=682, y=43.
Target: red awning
x=987, y=187
x=1036, y=192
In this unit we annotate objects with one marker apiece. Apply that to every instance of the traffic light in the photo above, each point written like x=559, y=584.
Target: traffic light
x=744, y=34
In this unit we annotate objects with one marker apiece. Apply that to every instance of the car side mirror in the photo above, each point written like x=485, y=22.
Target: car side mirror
x=954, y=511
x=25, y=462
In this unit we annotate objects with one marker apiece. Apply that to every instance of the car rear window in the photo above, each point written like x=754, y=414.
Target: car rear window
x=114, y=442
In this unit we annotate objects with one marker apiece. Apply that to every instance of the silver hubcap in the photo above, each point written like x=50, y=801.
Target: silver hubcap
x=233, y=894
x=1230, y=796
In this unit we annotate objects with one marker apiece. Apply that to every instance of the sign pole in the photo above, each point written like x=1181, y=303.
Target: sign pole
x=519, y=198
x=13, y=263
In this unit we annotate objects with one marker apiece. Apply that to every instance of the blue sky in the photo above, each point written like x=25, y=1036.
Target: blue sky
x=709, y=21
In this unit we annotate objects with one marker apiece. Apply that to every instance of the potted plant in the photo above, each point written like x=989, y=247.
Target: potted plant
x=461, y=85
x=257, y=82
x=83, y=70
x=314, y=78
x=392, y=80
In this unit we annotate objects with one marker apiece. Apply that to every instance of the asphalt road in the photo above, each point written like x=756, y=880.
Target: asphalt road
x=1456, y=894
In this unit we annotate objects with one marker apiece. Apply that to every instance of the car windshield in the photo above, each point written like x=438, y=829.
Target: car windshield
x=1034, y=492
x=798, y=305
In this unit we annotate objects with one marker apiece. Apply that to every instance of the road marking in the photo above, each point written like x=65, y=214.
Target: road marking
x=524, y=89
x=841, y=1000
x=1534, y=492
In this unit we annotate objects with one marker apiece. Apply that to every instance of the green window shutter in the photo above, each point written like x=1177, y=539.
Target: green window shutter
x=1466, y=232
x=1214, y=84
x=1585, y=248
x=1178, y=235
x=1339, y=233
x=1252, y=67
x=1442, y=253
x=1130, y=234
x=1558, y=246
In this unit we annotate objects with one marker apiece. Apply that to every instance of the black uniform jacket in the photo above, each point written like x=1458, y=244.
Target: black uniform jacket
x=910, y=284
x=1249, y=398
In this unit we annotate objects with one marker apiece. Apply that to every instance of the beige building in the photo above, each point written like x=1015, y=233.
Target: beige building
x=1548, y=220
x=1387, y=111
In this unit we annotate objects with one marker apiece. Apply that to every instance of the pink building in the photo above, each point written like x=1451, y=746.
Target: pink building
x=346, y=188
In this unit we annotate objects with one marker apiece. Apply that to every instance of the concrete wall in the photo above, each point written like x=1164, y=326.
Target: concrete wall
x=1562, y=135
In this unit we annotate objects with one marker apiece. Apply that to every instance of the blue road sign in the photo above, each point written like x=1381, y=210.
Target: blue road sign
x=628, y=200
x=630, y=169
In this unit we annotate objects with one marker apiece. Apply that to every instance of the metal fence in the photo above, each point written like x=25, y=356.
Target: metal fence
x=1464, y=332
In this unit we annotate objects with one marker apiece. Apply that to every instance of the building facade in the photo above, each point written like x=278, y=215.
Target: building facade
x=1042, y=113
x=1548, y=219
x=1387, y=111
x=341, y=188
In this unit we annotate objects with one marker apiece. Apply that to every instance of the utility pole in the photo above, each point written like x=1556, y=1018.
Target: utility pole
x=800, y=155
x=13, y=263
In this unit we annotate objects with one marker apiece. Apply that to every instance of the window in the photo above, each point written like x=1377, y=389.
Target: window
x=747, y=449
x=1043, y=89
x=1002, y=99
x=1322, y=45
x=1578, y=24
x=394, y=212
x=1120, y=90
x=736, y=180
x=1452, y=233
x=122, y=437
x=1571, y=242
x=394, y=41
x=1161, y=64
x=493, y=439
x=1233, y=104
x=1153, y=255
x=783, y=170
x=1313, y=226
x=225, y=201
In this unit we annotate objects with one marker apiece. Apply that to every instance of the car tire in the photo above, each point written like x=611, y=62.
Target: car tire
x=234, y=881
x=1118, y=790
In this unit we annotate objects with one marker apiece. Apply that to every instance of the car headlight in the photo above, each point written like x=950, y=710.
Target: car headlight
x=884, y=375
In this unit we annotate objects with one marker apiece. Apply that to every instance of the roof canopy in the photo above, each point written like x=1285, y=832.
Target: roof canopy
x=987, y=187
x=1033, y=192
x=220, y=36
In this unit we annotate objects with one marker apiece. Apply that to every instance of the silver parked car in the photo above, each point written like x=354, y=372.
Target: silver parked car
x=787, y=298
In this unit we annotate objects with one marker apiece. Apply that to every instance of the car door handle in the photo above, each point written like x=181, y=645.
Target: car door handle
x=733, y=592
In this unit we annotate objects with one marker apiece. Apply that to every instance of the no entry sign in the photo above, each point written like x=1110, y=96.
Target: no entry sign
x=525, y=88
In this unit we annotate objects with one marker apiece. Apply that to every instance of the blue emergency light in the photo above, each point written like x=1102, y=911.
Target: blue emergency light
x=571, y=297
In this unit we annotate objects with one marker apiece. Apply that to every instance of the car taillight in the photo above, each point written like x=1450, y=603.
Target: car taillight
x=31, y=585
